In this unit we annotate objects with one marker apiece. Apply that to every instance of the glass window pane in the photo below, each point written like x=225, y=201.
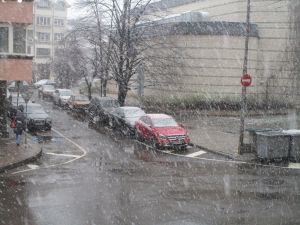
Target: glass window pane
x=19, y=40
x=3, y=39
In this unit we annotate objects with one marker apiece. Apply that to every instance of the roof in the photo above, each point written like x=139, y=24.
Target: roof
x=63, y=89
x=165, y=4
x=199, y=28
x=158, y=115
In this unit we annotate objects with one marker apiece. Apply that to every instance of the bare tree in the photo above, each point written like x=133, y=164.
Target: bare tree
x=122, y=39
x=67, y=60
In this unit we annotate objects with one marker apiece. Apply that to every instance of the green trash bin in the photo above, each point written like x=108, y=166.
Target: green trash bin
x=253, y=133
x=272, y=145
x=294, y=151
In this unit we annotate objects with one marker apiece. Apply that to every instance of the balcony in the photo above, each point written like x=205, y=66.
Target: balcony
x=16, y=68
x=15, y=12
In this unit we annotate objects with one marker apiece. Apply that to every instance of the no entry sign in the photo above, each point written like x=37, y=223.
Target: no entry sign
x=246, y=80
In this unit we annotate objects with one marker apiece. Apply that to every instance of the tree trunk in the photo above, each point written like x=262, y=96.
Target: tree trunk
x=104, y=88
x=89, y=91
x=122, y=93
x=3, y=110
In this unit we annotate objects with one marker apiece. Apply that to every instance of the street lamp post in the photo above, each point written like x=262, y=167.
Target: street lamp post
x=244, y=89
x=26, y=94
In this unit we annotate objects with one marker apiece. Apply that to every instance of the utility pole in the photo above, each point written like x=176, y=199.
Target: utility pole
x=244, y=89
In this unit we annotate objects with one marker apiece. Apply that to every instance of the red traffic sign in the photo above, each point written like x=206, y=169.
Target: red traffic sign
x=246, y=80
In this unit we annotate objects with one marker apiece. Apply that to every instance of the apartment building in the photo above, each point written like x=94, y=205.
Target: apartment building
x=209, y=36
x=15, y=62
x=49, y=27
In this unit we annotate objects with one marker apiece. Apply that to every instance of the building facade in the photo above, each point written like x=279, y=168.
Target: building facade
x=15, y=62
x=48, y=29
x=211, y=63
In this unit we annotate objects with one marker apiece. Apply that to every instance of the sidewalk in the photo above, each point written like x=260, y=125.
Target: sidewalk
x=12, y=155
x=221, y=134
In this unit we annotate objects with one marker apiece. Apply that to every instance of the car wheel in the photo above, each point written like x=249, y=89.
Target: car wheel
x=153, y=143
x=138, y=136
x=112, y=123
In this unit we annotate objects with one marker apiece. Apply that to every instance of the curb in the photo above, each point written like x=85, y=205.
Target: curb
x=32, y=158
x=215, y=152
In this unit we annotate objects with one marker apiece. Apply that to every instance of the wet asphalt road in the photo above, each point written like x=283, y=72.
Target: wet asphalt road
x=103, y=178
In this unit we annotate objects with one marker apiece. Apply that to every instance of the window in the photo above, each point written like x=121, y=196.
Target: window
x=29, y=50
x=19, y=42
x=43, y=36
x=43, y=21
x=58, y=36
x=43, y=51
x=43, y=4
x=30, y=35
x=59, y=22
x=60, y=5
x=3, y=39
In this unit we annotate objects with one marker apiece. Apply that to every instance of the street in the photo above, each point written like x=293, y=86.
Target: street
x=91, y=177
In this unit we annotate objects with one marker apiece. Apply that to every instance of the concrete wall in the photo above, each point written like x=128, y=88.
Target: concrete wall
x=207, y=65
x=14, y=12
x=270, y=55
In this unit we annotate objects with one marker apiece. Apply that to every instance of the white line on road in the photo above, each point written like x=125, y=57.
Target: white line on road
x=65, y=155
x=224, y=161
x=84, y=152
x=32, y=166
x=195, y=154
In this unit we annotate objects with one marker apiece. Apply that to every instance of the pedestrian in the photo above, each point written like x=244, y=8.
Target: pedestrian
x=20, y=124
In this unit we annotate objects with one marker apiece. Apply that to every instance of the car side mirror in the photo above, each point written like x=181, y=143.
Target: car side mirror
x=181, y=125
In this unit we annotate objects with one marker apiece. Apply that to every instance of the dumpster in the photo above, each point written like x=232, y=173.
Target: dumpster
x=252, y=136
x=294, y=153
x=272, y=145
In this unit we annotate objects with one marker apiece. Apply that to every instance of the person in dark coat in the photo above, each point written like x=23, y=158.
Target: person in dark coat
x=20, y=124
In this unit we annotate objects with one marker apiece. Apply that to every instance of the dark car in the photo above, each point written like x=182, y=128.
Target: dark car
x=37, y=119
x=100, y=109
x=14, y=100
x=124, y=119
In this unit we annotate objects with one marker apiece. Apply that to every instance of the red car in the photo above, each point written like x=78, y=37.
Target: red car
x=162, y=131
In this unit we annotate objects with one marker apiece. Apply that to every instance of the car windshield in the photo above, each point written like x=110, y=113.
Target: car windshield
x=81, y=98
x=109, y=103
x=49, y=88
x=34, y=109
x=164, y=122
x=15, y=100
x=65, y=93
x=133, y=112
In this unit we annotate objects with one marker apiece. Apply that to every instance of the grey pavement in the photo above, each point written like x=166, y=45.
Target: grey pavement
x=12, y=155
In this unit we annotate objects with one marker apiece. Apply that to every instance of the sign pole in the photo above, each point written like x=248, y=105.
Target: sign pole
x=244, y=90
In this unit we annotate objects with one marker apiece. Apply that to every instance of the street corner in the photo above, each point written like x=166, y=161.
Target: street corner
x=13, y=156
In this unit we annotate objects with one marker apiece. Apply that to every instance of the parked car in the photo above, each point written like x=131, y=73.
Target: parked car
x=162, y=131
x=37, y=119
x=100, y=110
x=61, y=96
x=124, y=118
x=43, y=82
x=78, y=102
x=46, y=91
x=14, y=101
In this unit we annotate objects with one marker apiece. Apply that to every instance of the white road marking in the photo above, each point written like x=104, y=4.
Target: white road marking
x=32, y=166
x=294, y=165
x=65, y=155
x=84, y=152
x=221, y=160
x=195, y=154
